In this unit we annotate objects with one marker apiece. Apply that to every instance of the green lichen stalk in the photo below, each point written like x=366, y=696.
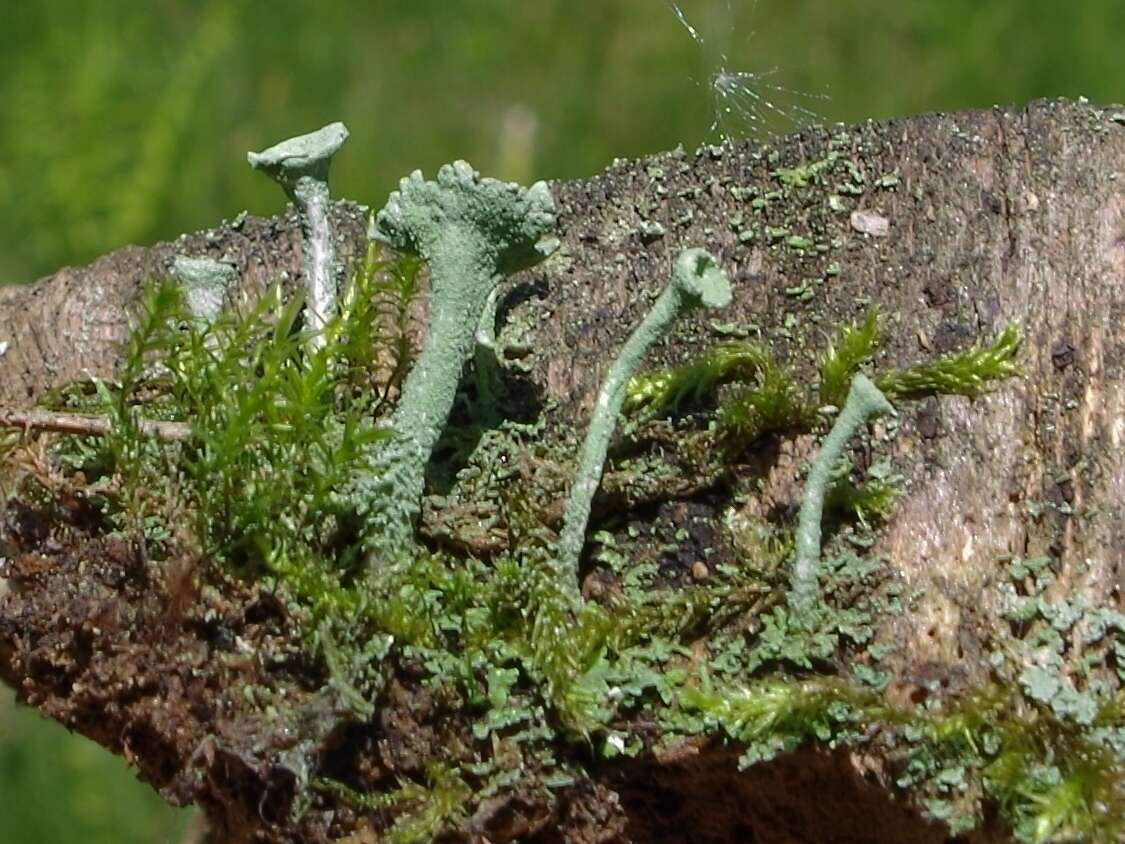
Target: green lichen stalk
x=696, y=281
x=864, y=402
x=300, y=166
x=472, y=232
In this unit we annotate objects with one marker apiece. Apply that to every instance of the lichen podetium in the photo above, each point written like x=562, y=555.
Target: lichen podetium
x=696, y=282
x=300, y=166
x=472, y=232
x=863, y=403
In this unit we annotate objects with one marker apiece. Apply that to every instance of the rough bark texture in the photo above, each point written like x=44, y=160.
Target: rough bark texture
x=67, y=326
x=1009, y=215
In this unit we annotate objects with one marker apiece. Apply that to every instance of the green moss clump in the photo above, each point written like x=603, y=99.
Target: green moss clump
x=421, y=811
x=674, y=389
x=773, y=403
x=966, y=373
x=275, y=427
x=1050, y=782
x=854, y=346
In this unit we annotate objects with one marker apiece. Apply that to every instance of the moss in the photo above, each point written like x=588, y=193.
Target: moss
x=853, y=347
x=688, y=622
x=965, y=373
x=1049, y=782
x=421, y=810
x=694, y=384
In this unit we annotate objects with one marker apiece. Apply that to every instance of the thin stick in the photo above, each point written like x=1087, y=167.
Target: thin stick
x=86, y=426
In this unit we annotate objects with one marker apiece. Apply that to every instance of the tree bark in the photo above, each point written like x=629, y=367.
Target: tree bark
x=69, y=326
x=991, y=218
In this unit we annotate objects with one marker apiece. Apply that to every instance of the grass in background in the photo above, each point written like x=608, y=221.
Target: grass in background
x=56, y=788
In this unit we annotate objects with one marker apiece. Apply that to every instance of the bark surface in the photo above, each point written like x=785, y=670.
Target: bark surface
x=68, y=326
x=991, y=218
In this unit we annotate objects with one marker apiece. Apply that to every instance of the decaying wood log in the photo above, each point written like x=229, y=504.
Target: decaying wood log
x=955, y=226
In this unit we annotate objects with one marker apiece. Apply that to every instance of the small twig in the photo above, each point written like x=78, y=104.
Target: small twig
x=86, y=426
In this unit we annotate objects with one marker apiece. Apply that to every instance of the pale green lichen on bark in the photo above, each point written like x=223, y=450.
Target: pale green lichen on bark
x=864, y=402
x=205, y=283
x=696, y=282
x=472, y=232
x=300, y=165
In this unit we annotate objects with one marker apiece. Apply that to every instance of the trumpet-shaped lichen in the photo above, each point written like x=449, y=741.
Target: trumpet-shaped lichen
x=472, y=232
x=300, y=166
x=864, y=402
x=696, y=281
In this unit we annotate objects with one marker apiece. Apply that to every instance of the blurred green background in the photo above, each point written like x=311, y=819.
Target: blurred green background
x=126, y=122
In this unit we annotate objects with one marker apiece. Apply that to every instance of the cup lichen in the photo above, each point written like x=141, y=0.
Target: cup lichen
x=472, y=232
x=300, y=166
x=696, y=282
x=864, y=402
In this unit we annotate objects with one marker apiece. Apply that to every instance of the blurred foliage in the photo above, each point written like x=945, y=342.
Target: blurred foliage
x=56, y=788
x=129, y=123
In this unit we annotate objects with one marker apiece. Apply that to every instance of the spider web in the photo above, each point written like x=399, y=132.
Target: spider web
x=748, y=103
